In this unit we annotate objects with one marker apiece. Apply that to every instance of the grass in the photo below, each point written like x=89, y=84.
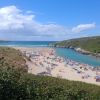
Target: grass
x=91, y=44
x=12, y=58
x=17, y=84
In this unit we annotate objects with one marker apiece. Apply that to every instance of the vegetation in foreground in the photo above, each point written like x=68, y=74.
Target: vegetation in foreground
x=12, y=58
x=91, y=44
x=17, y=84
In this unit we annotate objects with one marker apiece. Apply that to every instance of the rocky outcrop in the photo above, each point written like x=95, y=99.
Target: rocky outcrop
x=82, y=51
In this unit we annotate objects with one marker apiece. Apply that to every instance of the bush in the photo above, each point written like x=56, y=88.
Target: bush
x=17, y=84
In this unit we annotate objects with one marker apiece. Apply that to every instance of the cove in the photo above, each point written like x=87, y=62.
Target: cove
x=73, y=55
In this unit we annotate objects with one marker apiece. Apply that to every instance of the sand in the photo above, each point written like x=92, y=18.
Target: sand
x=46, y=61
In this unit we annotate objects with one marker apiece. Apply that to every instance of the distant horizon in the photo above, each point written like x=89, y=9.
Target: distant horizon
x=50, y=40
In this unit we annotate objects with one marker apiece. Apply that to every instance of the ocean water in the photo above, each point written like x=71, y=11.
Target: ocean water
x=66, y=53
x=73, y=55
x=26, y=43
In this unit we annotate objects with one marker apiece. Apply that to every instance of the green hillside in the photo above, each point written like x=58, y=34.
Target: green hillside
x=12, y=58
x=17, y=84
x=91, y=44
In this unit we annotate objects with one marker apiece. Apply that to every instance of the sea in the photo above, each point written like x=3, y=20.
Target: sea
x=63, y=52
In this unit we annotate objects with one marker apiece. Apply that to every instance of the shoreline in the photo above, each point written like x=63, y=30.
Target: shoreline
x=91, y=66
x=44, y=61
x=81, y=51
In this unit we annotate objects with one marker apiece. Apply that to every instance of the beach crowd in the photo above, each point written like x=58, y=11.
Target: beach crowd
x=45, y=61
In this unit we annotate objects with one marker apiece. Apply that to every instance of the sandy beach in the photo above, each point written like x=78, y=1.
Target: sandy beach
x=44, y=61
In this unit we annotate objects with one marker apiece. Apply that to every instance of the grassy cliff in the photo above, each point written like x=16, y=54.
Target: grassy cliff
x=91, y=44
x=17, y=84
x=12, y=58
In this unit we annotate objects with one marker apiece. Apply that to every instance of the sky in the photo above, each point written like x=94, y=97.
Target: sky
x=48, y=20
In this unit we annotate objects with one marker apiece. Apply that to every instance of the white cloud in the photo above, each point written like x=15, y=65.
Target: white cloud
x=14, y=21
x=83, y=27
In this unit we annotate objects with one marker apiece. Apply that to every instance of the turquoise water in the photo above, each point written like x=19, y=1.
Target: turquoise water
x=66, y=53
x=26, y=43
x=73, y=55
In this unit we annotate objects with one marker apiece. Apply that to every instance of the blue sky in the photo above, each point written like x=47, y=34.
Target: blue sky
x=49, y=19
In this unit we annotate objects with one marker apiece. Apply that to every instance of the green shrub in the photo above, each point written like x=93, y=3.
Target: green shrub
x=17, y=84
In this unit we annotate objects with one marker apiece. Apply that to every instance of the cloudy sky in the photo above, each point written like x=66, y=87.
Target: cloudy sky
x=51, y=20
